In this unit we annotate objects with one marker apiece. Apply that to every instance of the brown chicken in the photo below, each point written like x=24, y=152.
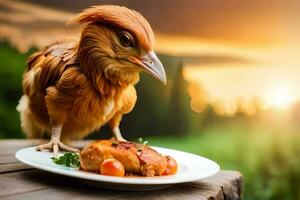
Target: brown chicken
x=72, y=88
x=138, y=159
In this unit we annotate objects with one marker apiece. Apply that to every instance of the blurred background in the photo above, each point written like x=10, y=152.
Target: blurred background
x=233, y=91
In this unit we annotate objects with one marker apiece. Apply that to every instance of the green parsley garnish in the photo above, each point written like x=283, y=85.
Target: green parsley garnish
x=145, y=142
x=68, y=159
x=142, y=141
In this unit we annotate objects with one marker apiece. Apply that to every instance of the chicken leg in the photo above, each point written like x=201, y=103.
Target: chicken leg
x=55, y=142
x=117, y=134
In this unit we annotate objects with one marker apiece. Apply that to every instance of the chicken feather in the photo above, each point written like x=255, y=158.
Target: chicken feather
x=73, y=87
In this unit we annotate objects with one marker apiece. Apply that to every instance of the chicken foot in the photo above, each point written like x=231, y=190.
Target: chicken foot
x=55, y=144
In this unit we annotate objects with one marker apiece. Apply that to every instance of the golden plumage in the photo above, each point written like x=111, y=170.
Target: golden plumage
x=73, y=87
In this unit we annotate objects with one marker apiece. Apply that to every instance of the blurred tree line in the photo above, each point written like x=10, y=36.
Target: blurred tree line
x=12, y=66
x=160, y=109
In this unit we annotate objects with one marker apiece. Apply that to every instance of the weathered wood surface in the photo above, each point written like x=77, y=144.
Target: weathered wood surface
x=19, y=181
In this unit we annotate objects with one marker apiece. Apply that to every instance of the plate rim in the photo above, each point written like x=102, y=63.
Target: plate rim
x=120, y=180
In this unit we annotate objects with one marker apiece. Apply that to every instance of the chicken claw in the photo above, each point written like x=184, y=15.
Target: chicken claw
x=55, y=145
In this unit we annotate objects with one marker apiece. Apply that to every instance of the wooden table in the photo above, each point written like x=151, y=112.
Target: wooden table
x=19, y=181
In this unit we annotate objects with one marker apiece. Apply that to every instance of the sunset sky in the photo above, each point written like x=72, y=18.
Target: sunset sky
x=263, y=32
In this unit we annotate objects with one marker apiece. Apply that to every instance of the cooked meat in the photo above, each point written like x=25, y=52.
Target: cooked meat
x=137, y=158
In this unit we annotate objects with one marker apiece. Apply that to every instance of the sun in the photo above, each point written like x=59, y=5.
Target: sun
x=279, y=97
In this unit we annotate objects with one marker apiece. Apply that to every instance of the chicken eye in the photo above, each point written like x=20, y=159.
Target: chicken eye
x=125, y=39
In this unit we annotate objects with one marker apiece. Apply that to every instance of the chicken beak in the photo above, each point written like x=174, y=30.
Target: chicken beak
x=152, y=65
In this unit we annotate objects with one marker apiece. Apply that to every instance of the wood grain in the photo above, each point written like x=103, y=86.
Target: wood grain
x=11, y=167
x=18, y=181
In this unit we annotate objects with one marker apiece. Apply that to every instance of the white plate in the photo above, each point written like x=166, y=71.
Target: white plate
x=190, y=168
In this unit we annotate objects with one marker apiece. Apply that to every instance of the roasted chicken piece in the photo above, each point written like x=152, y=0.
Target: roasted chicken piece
x=138, y=159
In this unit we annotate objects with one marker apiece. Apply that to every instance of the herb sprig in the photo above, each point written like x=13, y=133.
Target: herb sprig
x=142, y=141
x=68, y=159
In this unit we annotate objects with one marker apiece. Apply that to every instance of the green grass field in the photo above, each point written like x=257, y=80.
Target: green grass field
x=268, y=158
